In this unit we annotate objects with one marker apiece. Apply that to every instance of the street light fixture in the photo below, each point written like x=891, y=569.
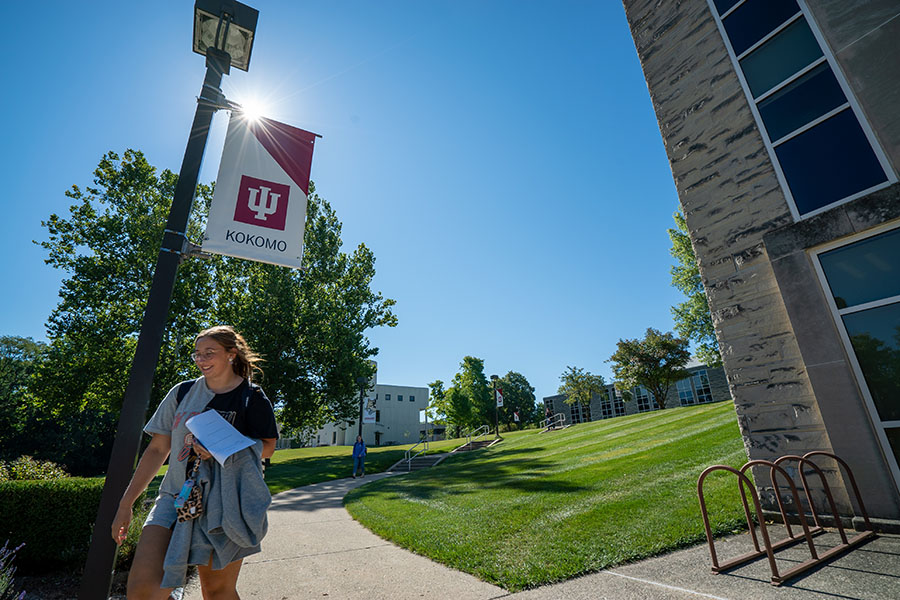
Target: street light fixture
x=226, y=26
x=234, y=31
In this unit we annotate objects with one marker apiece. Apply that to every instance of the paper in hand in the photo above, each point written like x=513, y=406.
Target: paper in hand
x=217, y=435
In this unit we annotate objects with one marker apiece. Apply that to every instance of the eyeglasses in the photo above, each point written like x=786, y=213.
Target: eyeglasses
x=204, y=356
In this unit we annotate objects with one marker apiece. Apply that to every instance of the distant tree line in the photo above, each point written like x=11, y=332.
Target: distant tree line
x=469, y=401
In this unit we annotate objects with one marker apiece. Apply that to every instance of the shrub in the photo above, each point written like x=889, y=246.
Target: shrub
x=53, y=518
x=25, y=467
x=7, y=571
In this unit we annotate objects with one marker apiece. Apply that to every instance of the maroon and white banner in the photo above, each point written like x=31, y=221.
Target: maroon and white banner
x=258, y=211
x=499, y=397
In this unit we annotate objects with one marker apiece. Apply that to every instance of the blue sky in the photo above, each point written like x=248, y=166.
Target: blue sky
x=501, y=158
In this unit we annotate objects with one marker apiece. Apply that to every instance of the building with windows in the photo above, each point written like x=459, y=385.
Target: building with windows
x=782, y=128
x=396, y=408
x=706, y=384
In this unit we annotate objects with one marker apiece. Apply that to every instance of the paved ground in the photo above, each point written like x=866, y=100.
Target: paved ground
x=315, y=550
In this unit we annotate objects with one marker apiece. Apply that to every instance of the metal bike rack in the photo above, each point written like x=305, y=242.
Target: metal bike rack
x=807, y=535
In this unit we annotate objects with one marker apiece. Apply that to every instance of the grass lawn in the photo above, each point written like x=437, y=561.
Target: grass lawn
x=303, y=466
x=544, y=507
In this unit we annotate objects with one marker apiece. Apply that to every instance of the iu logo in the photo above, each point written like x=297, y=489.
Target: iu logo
x=262, y=203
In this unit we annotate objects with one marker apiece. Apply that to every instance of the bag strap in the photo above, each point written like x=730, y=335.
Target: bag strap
x=183, y=388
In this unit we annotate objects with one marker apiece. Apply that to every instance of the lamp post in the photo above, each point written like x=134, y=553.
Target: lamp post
x=223, y=32
x=362, y=382
x=494, y=379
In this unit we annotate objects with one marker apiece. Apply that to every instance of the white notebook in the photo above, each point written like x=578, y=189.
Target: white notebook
x=217, y=435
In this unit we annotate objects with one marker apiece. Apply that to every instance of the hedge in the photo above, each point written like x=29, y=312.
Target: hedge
x=54, y=518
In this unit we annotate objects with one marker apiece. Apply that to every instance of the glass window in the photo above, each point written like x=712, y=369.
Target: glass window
x=791, y=50
x=685, y=392
x=387, y=397
x=829, y=162
x=893, y=436
x=863, y=271
x=875, y=336
x=378, y=416
x=724, y=5
x=755, y=19
x=701, y=385
x=645, y=400
x=801, y=102
x=412, y=398
x=399, y=398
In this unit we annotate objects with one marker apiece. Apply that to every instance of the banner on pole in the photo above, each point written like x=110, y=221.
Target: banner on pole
x=371, y=400
x=499, y=397
x=258, y=211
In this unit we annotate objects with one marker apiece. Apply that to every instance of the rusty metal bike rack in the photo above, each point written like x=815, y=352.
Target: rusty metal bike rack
x=769, y=547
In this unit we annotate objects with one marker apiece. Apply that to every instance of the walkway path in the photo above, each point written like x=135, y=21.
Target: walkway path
x=315, y=550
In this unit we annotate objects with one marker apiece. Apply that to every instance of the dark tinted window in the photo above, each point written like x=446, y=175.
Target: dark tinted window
x=755, y=19
x=794, y=48
x=723, y=5
x=800, y=102
x=829, y=162
x=875, y=335
x=865, y=271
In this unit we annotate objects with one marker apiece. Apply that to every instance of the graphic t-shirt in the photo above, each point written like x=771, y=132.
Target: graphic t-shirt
x=255, y=420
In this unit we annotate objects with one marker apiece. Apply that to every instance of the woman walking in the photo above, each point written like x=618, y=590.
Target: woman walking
x=359, y=457
x=230, y=520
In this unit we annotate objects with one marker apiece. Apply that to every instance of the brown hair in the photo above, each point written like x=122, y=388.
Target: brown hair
x=245, y=360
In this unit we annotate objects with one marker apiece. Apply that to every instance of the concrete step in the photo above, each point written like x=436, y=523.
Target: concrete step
x=477, y=445
x=419, y=463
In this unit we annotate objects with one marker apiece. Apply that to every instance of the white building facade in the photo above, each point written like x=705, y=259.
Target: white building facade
x=397, y=409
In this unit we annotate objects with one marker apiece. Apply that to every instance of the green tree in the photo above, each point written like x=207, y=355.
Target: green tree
x=310, y=327
x=18, y=357
x=655, y=362
x=107, y=246
x=518, y=395
x=693, y=320
x=449, y=407
x=579, y=385
x=472, y=384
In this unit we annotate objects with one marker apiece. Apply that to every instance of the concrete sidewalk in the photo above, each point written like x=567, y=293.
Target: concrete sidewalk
x=314, y=549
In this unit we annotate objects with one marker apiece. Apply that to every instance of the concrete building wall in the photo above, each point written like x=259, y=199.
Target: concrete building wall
x=398, y=409
x=787, y=367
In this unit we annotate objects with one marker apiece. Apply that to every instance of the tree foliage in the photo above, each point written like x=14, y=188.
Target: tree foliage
x=579, y=385
x=473, y=385
x=309, y=327
x=655, y=362
x=18, y=358
x=692, y=317
x=518, y=396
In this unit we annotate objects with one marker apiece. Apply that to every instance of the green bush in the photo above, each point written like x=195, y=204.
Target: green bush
x=53, y=518
x=25, y=467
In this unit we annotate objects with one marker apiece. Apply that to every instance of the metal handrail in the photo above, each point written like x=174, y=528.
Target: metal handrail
x=410, y=456
x=476, y=434
x=559, y=419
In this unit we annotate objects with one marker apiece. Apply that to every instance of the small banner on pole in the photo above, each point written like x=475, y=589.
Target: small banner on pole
x=258, y=211
x=499, y=397
x=516, y=416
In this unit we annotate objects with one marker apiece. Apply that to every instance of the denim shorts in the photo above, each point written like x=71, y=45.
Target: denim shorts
x=163, y=512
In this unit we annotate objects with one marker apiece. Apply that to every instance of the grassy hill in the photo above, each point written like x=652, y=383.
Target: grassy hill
x=543, y=507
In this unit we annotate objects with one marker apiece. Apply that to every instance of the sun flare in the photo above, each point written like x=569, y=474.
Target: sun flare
x=253, y=108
